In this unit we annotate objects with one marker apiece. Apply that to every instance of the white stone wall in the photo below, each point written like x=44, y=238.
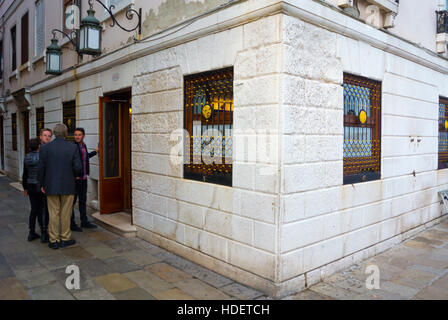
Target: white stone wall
x=327, y=225
x=236, y=225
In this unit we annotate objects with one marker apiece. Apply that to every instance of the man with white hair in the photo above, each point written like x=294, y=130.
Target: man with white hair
x=59, y=165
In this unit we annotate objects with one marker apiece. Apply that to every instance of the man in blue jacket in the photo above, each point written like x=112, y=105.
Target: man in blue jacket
x=59, y=165
x=81, y=182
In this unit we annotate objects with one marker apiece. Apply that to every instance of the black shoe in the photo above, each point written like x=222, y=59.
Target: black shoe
x=74, y=227
x=33, y=236
x=44, y=237
x=53, y=245
x=89, y=225
x=67, y=243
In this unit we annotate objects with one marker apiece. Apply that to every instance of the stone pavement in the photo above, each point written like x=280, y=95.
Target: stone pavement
x=113, y=267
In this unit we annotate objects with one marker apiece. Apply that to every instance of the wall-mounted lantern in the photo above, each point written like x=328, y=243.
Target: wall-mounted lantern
x=88, y=37
x=54, y=55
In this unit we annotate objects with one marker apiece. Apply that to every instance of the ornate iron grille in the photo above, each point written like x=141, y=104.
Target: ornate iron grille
x=14, y=131
x=208, y=117
x=362, y=132
x=40, y=120
x=69, y=119
x=443, y=133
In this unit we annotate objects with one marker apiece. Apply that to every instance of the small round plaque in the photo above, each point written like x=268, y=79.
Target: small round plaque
x=363, y=116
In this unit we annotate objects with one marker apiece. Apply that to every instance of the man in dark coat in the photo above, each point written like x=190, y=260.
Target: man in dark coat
x=32, y=189
x=45, y=135
x=59, y=165
x=81, y=182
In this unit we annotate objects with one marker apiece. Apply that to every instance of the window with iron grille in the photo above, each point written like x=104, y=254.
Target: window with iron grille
x=208, y=116
x=362, y=129
x=69, y=118
x=14, y=131
x=443, y=133
x=40, y=120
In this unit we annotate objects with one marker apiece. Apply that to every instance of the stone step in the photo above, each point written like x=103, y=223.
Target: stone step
x=119, y=223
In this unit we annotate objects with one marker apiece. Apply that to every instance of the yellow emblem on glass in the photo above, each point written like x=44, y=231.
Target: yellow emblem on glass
x=446, y=124
x=363, y=116
x=207, y=111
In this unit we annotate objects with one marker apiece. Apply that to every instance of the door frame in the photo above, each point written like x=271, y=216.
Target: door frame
x=124, y=154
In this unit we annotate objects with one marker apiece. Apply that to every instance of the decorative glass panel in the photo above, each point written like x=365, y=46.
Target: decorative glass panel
x=111, y=141
x=40, y=120
x=209, y=122
x=69, y=118
x=362, y=119
x=443, y=133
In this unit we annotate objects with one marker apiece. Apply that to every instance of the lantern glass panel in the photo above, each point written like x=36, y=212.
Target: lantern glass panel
x=55, y=62
x=81, y=38
x=94, y=38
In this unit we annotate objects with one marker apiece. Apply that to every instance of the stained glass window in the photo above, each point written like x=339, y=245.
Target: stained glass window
x=40, y=120
x=209, y=122
x=69, y=118
x=362, y=136
x=443, y=133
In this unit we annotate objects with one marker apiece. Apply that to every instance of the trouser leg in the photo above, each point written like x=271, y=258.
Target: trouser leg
x=54, y=209
x=33, y=212
x=82, y=200
x=45, y=214
x=77, y=190
x=66, y=211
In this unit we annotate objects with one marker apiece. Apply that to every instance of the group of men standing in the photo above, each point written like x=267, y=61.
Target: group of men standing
x=55, y=177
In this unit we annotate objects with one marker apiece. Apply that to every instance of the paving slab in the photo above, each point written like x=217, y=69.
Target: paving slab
x=12, y=289
x=432, y=293
x=35, y=277
x=115, y=282
x=140, y=257
x=172, y=294
x=148, y=281
x=241, y=291
x=167, y=272
x=133, y=294
x=94, y=267
x=93, y=294
x=121, y=265
x=200, y=290
x=52, y=291
x=101, y=251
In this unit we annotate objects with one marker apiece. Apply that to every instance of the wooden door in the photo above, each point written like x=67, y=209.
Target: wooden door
x=111, y=156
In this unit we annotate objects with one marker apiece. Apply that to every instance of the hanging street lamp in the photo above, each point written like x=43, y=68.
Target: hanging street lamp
x=90, y=34
x=54, y=54
x=88, y=37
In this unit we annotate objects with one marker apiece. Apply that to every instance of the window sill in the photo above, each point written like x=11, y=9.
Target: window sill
x=13, y=74
x=37, y=59
x=25, y=66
